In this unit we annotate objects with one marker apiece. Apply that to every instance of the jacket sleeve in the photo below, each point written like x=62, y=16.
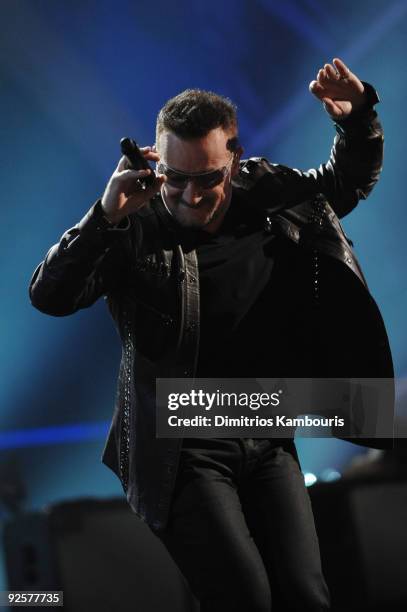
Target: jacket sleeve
x=349, y=175
x=89, y=261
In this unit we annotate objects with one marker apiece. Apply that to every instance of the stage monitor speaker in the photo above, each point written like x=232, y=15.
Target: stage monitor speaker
x=362, y=529
x=99, y=554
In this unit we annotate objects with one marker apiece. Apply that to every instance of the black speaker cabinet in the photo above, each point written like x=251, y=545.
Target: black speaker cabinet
x=99, y=554
x=362, y=529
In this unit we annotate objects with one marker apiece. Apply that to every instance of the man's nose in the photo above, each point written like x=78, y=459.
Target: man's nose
x=192, y=194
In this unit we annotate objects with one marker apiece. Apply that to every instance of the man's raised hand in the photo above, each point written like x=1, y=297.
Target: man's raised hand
x=339, y=89
x=124, y=194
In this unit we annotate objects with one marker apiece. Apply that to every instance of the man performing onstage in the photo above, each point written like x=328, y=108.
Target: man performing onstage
x=228, y=268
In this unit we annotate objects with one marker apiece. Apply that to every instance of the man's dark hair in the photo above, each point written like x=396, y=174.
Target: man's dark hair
x=195, y=112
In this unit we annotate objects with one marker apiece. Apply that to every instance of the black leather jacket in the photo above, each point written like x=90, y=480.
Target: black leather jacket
x=152, y=289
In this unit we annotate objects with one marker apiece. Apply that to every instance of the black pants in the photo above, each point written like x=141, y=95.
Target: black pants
x=241, y=528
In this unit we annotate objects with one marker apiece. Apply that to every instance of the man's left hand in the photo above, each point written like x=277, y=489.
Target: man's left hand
x=339, y=89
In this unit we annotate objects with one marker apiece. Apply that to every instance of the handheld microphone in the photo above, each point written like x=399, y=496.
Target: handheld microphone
x=136, y=160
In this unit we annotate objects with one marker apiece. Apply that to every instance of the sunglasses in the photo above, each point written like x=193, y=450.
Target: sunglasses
x=203, y=180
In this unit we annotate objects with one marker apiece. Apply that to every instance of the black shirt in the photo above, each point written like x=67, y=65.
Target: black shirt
x=249, y=299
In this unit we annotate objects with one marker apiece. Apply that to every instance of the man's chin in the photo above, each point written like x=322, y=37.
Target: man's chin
x=195, y=219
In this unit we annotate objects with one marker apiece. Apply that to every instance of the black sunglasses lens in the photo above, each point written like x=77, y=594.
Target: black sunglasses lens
x=207, y=181
x=180, y=181
x=176, y=181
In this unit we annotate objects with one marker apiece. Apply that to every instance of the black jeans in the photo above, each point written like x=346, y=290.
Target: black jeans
x=241, y=528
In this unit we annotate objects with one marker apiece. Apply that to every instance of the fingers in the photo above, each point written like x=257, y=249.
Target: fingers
x=325, y=78
x=122, y=165
x=342, y=68
x=317, y=89
x=134, y=174
x=330, y=79
x=335, y=72
x=131, y=178
x=328, y=75
x=331, y=72
x=123, y=168
x=147, y=193
x=149, y=153
x=152, y=156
